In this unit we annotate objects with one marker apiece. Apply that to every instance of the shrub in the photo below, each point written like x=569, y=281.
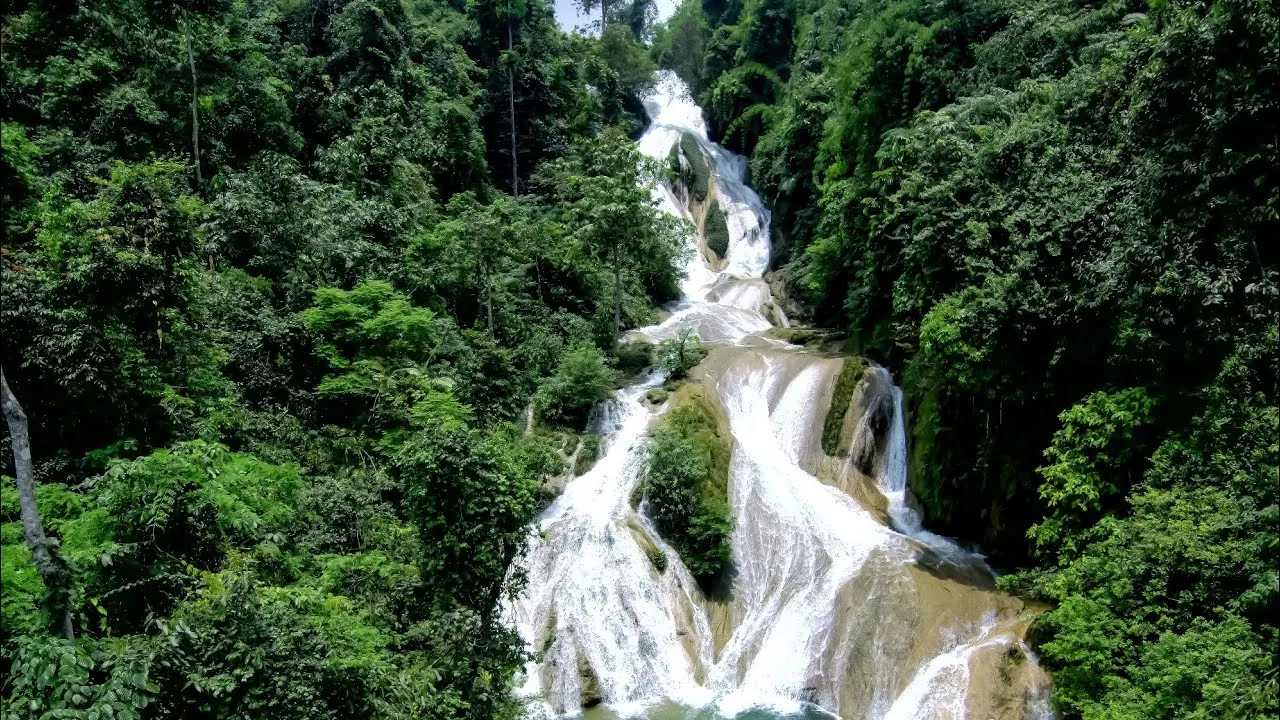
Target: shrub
x=633, y=357
x=581, y=380
x=656, y=396
x=657, y=557
x=679, y=355
x=588, y=453
x=52, y=677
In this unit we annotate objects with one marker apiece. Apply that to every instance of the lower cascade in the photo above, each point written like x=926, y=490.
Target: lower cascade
x=839, y=601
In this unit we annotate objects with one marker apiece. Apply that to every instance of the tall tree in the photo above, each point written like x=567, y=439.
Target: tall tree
x=195, y=103
x=476, y=241
x=511, y=12
x=603, y=187
x=589, y=5
x=32, y=528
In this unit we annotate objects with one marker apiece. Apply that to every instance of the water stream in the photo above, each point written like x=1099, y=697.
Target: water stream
x=841, y=603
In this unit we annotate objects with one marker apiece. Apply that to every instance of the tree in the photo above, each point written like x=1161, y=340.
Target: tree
x=589, y=5
x=680, y=354
x=684, y=510
x=602, y=190
x=275, y=462
x=581, y=380
x=33, y=529
x=478, y=239
x=378, y=346
x=509, y=14
x=679, y=44
x=637, y=16
x=1092, y=466
x=627, y=58
x=195, y=104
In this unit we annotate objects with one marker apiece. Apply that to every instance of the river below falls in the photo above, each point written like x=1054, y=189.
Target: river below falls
x=840, y=603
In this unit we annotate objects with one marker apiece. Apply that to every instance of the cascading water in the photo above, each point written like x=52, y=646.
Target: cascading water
x=834, y=605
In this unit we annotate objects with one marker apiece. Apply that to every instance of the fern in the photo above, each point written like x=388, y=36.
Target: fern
x=749, y=70
x=760, y=110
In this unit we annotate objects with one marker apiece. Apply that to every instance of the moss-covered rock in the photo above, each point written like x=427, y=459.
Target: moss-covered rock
x=715, y=230
x=549, y=633
x=588, y=453
x=796, y=334
x=924, y=471
x=549, y=489
x=633, y=357
x=588, y=684
x=656, y=556
x=698, y=416
x=698, y=175
x=569, y=444
x=673, y=161
x=656, y=396
x=850, y=375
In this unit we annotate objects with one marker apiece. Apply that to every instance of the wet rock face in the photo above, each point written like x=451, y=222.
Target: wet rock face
x=860, y=416
x=588, y=684
x=780, y=286
x=870, y=438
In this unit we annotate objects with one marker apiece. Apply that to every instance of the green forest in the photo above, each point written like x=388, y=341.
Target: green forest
x=285, y=283
x=281, y=278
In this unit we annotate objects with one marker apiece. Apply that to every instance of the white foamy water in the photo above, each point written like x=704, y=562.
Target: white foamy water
x=826, y=608
x=938, y=690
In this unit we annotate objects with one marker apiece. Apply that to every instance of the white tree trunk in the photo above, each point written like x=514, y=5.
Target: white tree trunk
x=32, y=528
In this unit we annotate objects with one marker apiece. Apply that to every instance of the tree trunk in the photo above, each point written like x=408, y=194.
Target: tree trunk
x=32, y=528
x=492, y=597
x=195, y=110
x=537, y=272
x=488, y=296
x=617, y=292
x=511, y=107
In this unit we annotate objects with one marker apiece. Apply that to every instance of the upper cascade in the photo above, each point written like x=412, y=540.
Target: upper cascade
x=669, y=104
x=839, y=601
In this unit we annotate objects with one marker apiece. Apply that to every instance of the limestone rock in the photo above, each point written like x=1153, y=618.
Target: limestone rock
x=588, y=684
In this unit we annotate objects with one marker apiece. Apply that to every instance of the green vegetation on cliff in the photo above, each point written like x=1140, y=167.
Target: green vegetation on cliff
x=1058, y=220
x=699, y=173
x=852, y=371
x=686, y=481
x=680, y=354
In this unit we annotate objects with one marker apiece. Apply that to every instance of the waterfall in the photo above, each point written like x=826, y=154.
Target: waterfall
x=891, y=475
x=835, y=605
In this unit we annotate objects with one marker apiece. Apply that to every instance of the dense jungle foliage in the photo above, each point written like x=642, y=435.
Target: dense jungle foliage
x=1059, y=220
x=280, y=279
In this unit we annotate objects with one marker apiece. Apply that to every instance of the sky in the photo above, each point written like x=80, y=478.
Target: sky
x=570, y=17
